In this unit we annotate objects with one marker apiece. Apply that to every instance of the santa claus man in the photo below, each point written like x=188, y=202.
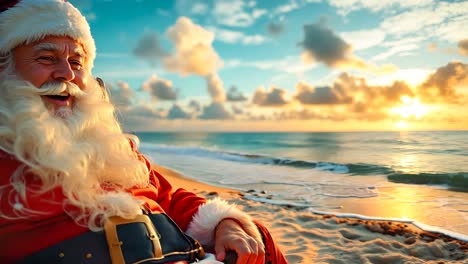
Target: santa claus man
x=70, y=179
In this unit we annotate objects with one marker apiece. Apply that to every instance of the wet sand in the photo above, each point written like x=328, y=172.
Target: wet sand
x=306, y=237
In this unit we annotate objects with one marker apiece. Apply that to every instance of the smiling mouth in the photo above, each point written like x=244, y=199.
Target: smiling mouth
x=59, y=97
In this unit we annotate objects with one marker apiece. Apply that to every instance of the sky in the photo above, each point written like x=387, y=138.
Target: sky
x=294, y=65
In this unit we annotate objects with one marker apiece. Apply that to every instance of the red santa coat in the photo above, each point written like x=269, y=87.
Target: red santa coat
x=193, y=214
x=21, y=237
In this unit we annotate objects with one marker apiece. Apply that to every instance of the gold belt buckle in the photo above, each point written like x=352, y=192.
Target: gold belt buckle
x=114, y=244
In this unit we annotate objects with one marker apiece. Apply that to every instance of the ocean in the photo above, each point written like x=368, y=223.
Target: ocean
x=416, y=177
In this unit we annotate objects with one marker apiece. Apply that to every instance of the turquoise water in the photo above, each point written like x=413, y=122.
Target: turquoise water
x=410, y=157
x=424, y=173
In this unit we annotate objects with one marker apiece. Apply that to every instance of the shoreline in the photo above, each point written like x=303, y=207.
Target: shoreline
x=304, y=235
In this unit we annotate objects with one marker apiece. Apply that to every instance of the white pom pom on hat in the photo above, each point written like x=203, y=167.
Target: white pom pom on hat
x=31, y=20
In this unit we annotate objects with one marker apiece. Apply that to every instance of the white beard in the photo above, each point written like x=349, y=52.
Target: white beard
x=81, y=150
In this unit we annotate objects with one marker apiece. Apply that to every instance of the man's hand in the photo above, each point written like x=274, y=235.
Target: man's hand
x=230, y=236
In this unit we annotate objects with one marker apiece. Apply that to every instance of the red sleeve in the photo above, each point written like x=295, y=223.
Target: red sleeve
x=273, y=253
x=180, y=205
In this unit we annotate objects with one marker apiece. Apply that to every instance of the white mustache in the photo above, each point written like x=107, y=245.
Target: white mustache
x=60, y=88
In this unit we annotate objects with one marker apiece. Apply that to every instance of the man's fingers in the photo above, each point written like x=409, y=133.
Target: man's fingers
x=257, y=252
x=230, y=236
x=231, y=257
x=251, y=253
x=220, y=252
x=260, y=253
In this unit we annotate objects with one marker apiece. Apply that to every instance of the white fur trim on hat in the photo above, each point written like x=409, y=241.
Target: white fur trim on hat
x=209, y=215
x=32, y=20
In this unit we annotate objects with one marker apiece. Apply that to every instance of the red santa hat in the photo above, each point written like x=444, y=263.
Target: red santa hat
x=26, y=21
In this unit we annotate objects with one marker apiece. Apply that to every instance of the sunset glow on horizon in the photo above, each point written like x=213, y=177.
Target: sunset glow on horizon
x=299, y=65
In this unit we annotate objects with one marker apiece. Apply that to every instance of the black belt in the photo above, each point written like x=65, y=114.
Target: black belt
x=152, y=238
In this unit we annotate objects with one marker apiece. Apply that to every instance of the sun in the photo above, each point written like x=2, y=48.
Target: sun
x=410, y=108
x=401, y=125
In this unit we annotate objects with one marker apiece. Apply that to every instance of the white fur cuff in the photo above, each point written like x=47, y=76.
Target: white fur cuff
x=210, y=214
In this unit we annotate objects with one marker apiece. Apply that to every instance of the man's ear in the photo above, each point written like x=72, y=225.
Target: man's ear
x=101, y=82
x=105, y=91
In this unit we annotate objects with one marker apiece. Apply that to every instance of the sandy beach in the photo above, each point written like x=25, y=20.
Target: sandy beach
x=305, y=237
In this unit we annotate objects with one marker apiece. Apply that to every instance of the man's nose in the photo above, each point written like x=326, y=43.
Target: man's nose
x=63, y=72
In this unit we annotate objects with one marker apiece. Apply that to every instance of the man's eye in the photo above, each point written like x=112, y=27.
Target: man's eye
x=76, y=64
x=46, y=59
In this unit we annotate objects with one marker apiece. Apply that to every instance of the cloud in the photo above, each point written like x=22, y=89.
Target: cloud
x=307, y=114
x=232, y=37
x=396, y=50
x=352, y=97
x=90, y=16
x=364, y=39
x=234, y=95
x=142, y=111
x=121, y=95
x=443, y=83
x=215, y=88
x=237, y=110
x=215, y=110
x=408, y=24
x=275, y=29
x=349, y=97
x=291, y=6
x=413, y=76
x=345, y=7
x=163, y=12
x=306, y=94
x=149, y=48
x=194, y=53
x=463, y=47
x=199, y=8
x=443, y=20
x=236, y=13
x=432, y=47
x=453, y=27
x=411, y=21
x=286, y=8
x=176, y=112
x=194, y=105
x=273, y=97
x=192, y=7
x=160, y=88
x=232, y=13
x=400, y=47
x=139, y=117
x=370, y=95
x=321, y=44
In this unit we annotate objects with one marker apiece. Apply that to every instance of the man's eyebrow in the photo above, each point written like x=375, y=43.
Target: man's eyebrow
x=46, y=46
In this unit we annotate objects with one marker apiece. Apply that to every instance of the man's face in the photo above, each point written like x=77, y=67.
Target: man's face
x=52, y=59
